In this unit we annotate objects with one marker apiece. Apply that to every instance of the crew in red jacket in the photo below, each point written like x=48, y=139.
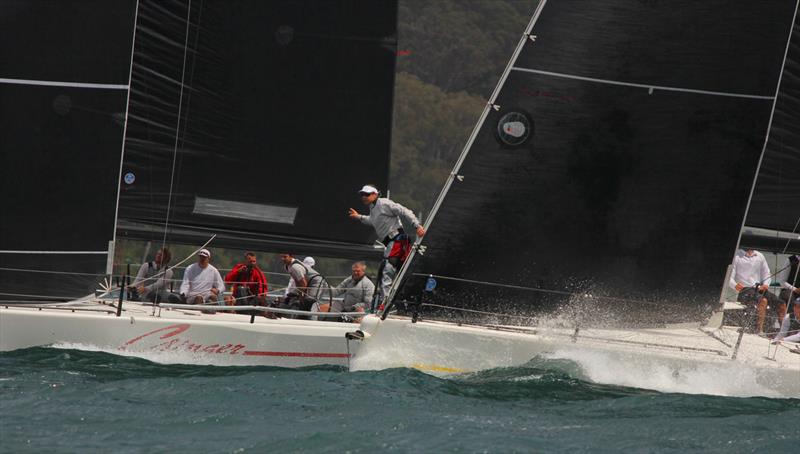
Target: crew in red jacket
x=249, y=285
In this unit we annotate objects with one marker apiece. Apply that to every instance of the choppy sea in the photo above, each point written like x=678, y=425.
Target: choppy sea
x=62, y=400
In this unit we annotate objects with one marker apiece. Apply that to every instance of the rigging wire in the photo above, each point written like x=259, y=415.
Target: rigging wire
x=178, y=126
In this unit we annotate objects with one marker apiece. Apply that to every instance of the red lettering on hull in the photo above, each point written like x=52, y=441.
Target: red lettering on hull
x=181, y=344
x=176, y=329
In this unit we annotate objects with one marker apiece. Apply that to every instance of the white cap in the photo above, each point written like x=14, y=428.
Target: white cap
x=368, y=190
x=204, y=253
x=309, y=261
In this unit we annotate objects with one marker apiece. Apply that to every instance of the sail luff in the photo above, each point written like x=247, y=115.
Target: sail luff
x=124, y=137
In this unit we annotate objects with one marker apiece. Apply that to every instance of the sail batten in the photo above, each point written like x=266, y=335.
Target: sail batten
x=57, y=83
x=645, y=86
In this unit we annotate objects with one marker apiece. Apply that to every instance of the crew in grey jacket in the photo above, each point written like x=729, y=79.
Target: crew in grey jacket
x=385, y=217
x=153, y=279
x=357, y=290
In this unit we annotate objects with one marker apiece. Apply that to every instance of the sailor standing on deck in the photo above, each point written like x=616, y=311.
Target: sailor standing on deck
x=385, y=217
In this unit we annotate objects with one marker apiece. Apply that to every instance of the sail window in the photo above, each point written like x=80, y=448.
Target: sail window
x=514, y=129
x=284, y=35
x=244, y=210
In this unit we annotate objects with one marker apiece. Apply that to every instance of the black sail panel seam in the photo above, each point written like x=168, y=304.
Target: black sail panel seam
x=61, y=83
x=643, y=86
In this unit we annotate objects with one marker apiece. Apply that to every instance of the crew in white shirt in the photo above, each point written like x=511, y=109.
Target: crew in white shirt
x=202, y=282
x=751, y=278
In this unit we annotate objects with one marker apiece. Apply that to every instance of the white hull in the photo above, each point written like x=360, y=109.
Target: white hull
x=180, y=336
x=686, y=360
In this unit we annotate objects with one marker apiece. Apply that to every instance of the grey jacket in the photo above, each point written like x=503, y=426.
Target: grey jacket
x=384, y=216
x=153, y=279
x=356, y=294
x=317, y=286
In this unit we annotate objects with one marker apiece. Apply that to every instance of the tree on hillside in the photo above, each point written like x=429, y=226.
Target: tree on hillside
x=460, y=45
x=430, y=129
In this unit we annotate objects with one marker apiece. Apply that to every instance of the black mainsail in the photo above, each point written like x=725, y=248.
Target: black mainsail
x=64, y=69
x=172, y=120
x=773, y=216
x=614, y=161
x=257, y=121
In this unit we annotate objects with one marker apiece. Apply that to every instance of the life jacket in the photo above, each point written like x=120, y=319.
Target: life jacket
x=312, y=276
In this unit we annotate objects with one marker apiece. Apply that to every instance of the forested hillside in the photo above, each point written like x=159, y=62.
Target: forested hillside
x=450, y=57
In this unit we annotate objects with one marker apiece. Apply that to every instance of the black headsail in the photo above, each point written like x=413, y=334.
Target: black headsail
x=773, y=217
x=64, y=73
x=615, y=159
x=257, y=121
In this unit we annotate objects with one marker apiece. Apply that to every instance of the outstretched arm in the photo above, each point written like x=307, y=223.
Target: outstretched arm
x=359, y=217
x=407, y=215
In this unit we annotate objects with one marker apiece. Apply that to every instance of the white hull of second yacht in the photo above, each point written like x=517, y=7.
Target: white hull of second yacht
x=179, y=336
x=685, y=360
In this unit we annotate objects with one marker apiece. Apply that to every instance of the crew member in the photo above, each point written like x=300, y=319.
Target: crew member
x=790, y=326
x=356, y=292
x=249, y=285
x=385, y=217
x=308, y=262
x=750, y=278
x=202, y=282
x=153, y=278
x=309, y=285
x=789, y=278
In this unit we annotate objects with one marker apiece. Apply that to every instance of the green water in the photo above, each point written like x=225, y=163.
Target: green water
x=54, y=400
